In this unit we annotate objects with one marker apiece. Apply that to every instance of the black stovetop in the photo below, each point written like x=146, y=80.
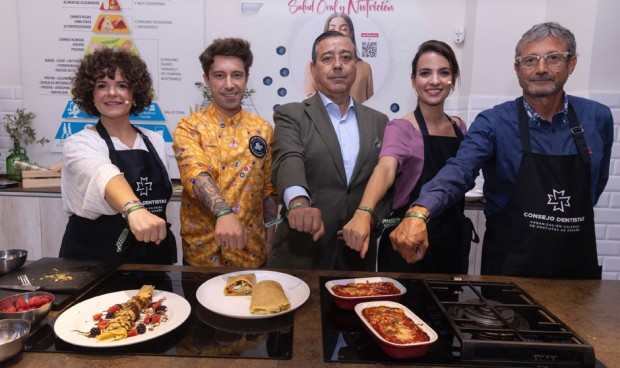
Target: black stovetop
x=523, y=333
x=203, y=334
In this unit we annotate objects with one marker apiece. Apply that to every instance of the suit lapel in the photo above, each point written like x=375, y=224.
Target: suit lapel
x=319, y=117
x=365, y=129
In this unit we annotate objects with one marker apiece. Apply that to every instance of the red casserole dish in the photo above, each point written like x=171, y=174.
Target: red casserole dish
x=349, y=302
x=398, y=350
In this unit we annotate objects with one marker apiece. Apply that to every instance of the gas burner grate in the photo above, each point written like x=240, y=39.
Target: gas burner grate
x=490, y=320
x=495, y=323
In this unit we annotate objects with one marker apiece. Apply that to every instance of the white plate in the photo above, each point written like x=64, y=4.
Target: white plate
x=80, y=317
x=211, y=294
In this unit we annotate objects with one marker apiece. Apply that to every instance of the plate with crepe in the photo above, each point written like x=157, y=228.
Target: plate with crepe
x=253, y=294
x=79, y=318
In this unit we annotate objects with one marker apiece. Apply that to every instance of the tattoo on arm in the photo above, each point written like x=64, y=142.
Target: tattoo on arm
x=208, y=194
x=270, y=208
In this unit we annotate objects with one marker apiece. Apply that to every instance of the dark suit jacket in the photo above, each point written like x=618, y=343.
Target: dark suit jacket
x=306, y=153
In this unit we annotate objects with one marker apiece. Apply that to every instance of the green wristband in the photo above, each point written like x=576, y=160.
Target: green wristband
x=131, y=209
x=367, y=209
x=223, y=212
x=299, y=204
x=418, y=215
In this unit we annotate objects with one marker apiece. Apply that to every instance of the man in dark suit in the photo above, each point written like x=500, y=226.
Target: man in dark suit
x=324, y=151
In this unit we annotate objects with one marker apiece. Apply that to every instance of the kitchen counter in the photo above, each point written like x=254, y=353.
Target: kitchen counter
x=590, y=307
x=54, y=192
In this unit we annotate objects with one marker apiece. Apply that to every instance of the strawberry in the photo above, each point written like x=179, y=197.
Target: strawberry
x=97, y=317
x=103, y=323
x=20, y=303
x=155, y=318
x=37, y=301
x=132, y=333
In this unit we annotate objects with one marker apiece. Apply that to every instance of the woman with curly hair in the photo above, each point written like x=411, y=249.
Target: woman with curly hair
x=115, y=183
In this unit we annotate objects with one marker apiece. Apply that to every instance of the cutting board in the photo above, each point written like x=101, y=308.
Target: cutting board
x=83, y=273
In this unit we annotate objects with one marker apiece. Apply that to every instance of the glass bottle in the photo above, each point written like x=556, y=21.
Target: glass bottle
x=18, y=153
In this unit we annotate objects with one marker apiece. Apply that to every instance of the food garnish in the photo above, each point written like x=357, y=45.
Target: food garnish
x=58, y=276
x=129, y=319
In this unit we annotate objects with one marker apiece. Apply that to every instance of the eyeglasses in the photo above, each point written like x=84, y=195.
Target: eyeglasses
x=552, y=59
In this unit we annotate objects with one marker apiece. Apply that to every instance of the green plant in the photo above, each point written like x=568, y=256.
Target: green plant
x=19, y=127
x=206, y=91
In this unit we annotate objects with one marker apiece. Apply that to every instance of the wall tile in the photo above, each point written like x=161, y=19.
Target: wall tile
x=12, y=105
x=611, y=264
x=608, y=248
x=611, y=99
x=6, y=92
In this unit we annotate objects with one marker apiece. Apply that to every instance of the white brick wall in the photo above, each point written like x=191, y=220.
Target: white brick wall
x=606, y=212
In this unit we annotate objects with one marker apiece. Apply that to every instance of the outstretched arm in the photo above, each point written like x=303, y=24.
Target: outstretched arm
x=270, y=213
x=357, y=231
x=229, y=231
x=145, y=226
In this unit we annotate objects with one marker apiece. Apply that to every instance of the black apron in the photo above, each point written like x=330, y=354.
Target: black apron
x=449, y=243
x=96, y=239
x=546, y=228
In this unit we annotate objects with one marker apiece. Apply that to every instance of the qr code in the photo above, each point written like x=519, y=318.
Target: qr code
x=369, y=49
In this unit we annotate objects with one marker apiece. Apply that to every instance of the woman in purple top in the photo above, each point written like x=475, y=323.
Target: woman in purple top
x=415, y=148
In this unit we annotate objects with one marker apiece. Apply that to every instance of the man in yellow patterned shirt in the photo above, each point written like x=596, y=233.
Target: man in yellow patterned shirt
x=224, y=158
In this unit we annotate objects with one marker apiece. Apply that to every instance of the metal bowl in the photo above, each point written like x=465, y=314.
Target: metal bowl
x=12, y=259
x=13, y=335
x=33, y=316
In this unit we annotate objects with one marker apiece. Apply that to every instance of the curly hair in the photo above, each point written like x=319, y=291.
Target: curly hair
x=105, y=62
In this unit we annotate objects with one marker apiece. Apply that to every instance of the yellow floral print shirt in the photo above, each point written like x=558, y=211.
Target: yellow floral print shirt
x=236, y=152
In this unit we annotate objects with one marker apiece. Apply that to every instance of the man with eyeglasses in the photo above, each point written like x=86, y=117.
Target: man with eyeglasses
x=545, y=160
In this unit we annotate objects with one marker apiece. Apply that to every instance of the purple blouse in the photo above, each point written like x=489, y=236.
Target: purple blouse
x=405, y=143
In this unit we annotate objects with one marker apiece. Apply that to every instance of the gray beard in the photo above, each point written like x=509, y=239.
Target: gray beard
x=540, y=92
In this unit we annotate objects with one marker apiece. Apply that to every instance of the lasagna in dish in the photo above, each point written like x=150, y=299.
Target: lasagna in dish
x=394, y=326
x=366, y=289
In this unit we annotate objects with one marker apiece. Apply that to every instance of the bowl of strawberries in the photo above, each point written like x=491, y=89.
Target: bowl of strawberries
x=32, y=306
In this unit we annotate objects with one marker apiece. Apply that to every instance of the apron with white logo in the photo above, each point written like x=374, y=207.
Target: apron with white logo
x=547, y=227
x=96, y=239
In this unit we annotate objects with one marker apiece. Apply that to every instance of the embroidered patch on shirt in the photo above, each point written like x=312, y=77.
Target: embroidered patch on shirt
x=258, y=146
